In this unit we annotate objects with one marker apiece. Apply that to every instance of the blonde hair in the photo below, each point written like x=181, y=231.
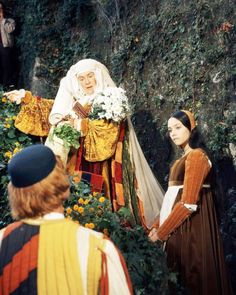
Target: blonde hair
x=42, y=197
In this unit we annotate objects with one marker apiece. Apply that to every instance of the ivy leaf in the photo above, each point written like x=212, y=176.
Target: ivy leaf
x=22, y=138
x=11, y=134
x=2, y=166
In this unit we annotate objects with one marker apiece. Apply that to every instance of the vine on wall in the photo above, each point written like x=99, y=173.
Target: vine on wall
x=167, y=55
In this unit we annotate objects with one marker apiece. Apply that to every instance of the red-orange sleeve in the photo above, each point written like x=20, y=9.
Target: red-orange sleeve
x=197, y=166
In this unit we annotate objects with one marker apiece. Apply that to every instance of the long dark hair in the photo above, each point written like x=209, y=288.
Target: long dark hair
x=3, y=8
x=196, y=140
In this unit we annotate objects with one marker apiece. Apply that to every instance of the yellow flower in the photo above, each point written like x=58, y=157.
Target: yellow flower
x=95, y=194
x=68, y=210
x=4, y=99
x=80, y=210
x=101, y=199
x=8, y=154
x=86, y=202
x=81, y=201
x=16, y=150
x=89, y=225
x=76, y=179
x=105, y=231
x=7, y=125
x=13, y=118
x=75, y=207
x=7, y=119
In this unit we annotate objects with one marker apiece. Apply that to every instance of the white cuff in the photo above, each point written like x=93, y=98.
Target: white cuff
x=15, y=95
x=191, y=207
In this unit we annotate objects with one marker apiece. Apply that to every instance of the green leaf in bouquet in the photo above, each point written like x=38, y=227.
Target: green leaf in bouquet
x=68, y=134
x=96, y=112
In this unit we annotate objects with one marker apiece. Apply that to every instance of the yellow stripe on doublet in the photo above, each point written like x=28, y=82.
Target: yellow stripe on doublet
x=58, y=262
x=96, y=247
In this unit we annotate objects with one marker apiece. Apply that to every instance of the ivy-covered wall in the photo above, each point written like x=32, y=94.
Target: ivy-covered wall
x=167, y=55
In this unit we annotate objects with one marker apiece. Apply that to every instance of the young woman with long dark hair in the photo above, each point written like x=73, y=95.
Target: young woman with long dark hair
x=188, y=221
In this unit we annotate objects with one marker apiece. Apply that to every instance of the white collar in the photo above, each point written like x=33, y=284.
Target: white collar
x=53, y=215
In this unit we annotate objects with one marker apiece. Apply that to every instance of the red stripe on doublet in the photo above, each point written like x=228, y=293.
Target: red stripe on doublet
x=21, y=265
x=11, y=227
x=104, y=282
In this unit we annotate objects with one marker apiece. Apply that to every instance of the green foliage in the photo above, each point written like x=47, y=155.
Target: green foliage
x=68, y=134
x=146, y=261
x=222, y=133
x=12, y=141
x=5, y=218
x=168, y=55
x=48, y=31
x=91, y=210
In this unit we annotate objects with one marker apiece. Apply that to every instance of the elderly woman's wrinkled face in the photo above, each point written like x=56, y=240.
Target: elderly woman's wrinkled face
x=88, y=82
x=179, y=134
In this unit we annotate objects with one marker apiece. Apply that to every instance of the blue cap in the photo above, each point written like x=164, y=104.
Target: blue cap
x=31, y=165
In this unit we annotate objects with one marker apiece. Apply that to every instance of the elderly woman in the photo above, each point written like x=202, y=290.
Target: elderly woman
x=109, y=152
x=188, y=223
x=109, y=157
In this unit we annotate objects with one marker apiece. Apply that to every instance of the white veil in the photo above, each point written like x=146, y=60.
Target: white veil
x=70, y=89
x=149, y=190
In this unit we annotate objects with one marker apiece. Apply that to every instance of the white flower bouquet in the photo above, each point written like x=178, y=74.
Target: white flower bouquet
x=61, y=138
x=111, y=104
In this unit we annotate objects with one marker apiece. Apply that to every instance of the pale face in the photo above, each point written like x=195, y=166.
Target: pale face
x=88, y=82
x=179, y=134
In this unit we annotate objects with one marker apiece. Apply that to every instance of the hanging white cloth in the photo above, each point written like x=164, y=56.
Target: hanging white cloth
x=150, y=191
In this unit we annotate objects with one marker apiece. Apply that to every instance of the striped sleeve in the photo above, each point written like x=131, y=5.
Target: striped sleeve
x=196, y=169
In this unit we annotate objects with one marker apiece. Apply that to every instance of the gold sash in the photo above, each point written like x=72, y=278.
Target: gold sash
x=101, y=139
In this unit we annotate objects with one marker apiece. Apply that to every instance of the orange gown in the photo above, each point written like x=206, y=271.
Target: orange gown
x=193, y=243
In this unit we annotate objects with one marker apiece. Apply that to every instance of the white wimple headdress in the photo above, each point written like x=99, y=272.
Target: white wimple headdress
x=71, y=90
